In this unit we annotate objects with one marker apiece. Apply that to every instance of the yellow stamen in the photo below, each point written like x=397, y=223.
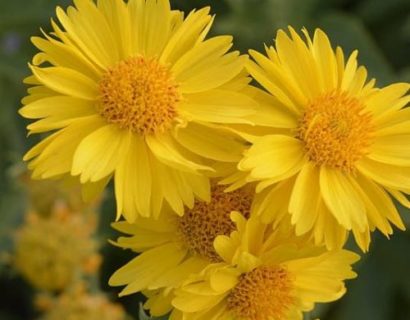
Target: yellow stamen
x=139, y=94
x=199, y=226
x=336, y=130
x=265, y=293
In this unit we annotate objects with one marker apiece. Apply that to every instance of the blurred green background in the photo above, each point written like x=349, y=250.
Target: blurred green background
x=380, y=29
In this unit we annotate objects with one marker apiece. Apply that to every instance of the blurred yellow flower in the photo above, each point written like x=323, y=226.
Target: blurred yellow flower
x=78, y=304
x=51, y=253
x=45, y=195
x=135, y=91
x=334, y=149
x=173, y=247
x=263, y=276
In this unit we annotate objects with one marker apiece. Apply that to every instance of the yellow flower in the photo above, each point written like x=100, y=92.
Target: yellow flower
x=78, y=304
x=45, y=195
x=173, y=247
x=133, y=90
x=263, y=276
x=334, y=148
x=51, y=253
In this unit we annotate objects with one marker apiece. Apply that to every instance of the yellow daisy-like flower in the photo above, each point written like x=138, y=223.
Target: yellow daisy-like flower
x=51, y=253
x=184, y=244
x=263, y=276
x=77, y=303
x=132, y=89
x=334, y=149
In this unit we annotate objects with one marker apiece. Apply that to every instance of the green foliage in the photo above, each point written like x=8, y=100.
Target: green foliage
x=379, y=29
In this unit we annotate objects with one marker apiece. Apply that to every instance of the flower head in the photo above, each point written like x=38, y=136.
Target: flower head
x=135, y=91
x=173, y=247
x=51, y=253
x=79, y=304
x=333, y=148
x=263, y=276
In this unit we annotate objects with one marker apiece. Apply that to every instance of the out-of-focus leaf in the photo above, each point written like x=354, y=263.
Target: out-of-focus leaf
x=367, y=297
x=12, y=210
x=389, y=21
x=376, y=10
x=382, y=277
x=404, y=75
x=255, y=22
x=350, y=33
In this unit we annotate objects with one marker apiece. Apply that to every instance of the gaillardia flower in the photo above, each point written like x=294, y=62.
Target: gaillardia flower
x=263, y=276
x=78, y=303
x=335, y=149
x=50, y=253
x=173, y=247
x=135, y=91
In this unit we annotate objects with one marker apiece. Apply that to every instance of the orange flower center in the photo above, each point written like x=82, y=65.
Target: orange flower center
x=200, y=226
x=336, y=130
x=139, y=94
x=265, y=293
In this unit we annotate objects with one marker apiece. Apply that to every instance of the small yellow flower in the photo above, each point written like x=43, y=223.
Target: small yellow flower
x=51, y=253
x=45, y=195
x=263, y=276
x=173, y=247
x=78, y=304
x=334, y=149
x=133, y=90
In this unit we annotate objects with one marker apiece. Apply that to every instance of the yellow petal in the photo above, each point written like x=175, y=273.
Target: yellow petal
x=224, y=279
x=210, y=142
x=400, y=197
x=263, y=78
x=298, y=62
x=89, y=30
x=325, y=61
x=67, y=82
x=327, y=229
x=385, y=99
x=217, y=74
x=305, y=198
x=270, y=112
x=320, y=279
x=218, y=106
x=55, y=155
x=175, y=276
x=57, y=111
x=274, y=157
x=200, y=57
x=157, y=26
x=117, y=18
x=133, y=181
x=380, y=206
x=186, y=35
x=391, y=149
x=272, y=204
x=340, y=196
x=387, y=175
x=188, y=302
x=142, y=270
x=99, y=154
x=350, y=71
x=166, y=151
x=68, y=56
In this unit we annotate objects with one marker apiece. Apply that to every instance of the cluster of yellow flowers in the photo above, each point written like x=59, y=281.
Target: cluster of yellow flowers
x=55, y=246
x=78, y=304
x=238, y=198
x=51, y=253
x=57, y=254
